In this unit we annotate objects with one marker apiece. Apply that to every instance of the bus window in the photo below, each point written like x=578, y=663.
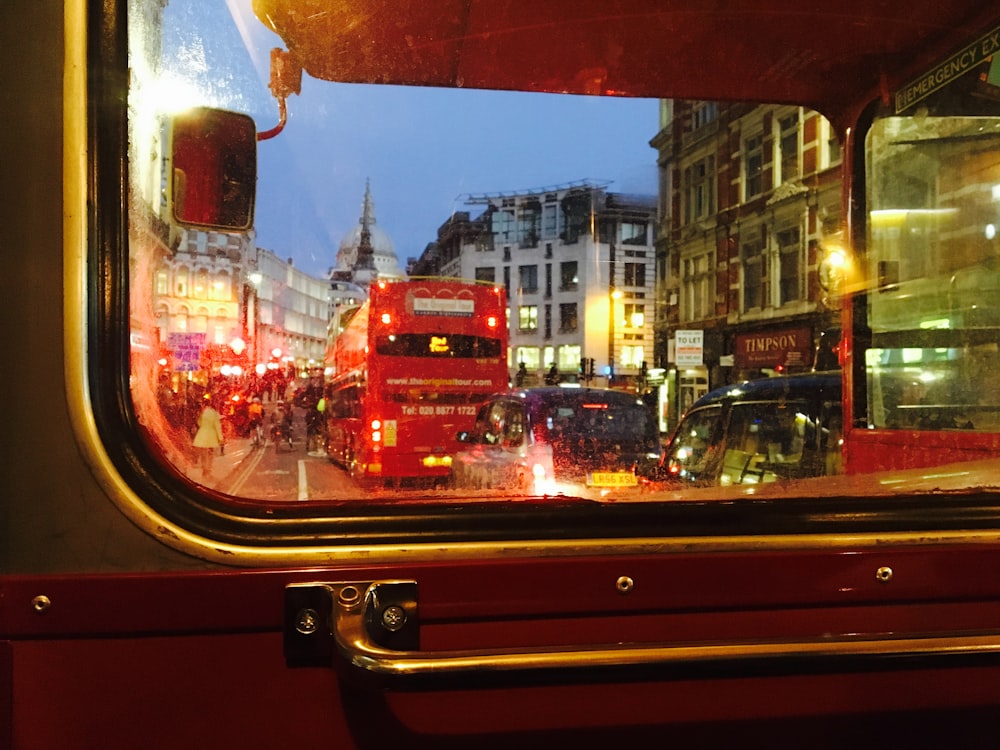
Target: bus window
x=931, y=359
x=384, y=323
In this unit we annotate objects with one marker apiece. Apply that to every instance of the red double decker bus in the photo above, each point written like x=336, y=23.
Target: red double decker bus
x=406, y=373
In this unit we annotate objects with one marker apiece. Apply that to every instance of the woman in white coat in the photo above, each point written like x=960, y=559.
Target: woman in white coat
x=208, y=439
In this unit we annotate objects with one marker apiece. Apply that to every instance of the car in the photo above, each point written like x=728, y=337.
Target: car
x=556, y=440
x=766, y=430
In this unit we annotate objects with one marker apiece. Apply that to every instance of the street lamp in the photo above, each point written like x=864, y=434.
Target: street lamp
x=613, y=297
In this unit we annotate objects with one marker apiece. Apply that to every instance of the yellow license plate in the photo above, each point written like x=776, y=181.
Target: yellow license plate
x=612, y=479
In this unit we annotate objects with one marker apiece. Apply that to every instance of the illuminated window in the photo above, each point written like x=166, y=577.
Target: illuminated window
x=632, y=355
x=527, y=317
x=635, y=315
x=569, y=358
x=530, y=356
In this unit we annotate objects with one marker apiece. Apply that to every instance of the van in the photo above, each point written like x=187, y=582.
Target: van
x=766, y=430
x=556, y=440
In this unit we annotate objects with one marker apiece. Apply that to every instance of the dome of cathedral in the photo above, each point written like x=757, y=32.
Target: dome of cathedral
x=384, y=257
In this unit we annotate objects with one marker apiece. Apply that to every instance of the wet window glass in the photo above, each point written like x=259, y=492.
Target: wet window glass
x=343, y=291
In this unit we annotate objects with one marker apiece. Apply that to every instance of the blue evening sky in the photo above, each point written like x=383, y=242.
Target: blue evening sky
x=422, y=149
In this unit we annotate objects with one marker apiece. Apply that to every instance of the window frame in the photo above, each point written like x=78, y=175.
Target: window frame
x=753, y=166
x=230, y=531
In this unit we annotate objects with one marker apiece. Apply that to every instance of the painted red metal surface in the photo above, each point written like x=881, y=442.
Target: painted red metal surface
x=130, y=647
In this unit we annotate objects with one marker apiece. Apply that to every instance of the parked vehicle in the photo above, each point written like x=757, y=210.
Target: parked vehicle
x=546, y=440
x=765, y=430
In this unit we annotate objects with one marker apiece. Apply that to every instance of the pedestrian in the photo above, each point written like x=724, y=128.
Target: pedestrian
x=522, y=372
x=552, y=377
x=208, y=439
x=255, y=412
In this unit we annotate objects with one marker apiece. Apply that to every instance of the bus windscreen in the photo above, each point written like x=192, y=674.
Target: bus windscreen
x=437, y=345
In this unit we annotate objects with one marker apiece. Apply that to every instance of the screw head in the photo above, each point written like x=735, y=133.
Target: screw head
x=393, y=618
x=307, y=621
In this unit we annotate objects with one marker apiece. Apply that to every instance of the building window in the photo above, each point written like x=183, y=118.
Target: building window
x=699, y=190
x=550, y=221
x=569, y=278
x=486, y=273
x=828, y=136
x=567, y=317
x=549, y=356
x=789, y=144
x=529, y=224
x=504, y=226
x=703, y=113
x=506, y=279
x=527, y=317
x=634, y=233
x=754, y=275
x=696, y=287
x=576, y=210
x=181, y=282
x=789, y=256
x=548, y=321
x=528, y=278
x=221, y=288
x=529, y=355
x=635, y=315
x=753, y=167
x=162, y=283
x=569, y=358
x=632, y=355
x=548, y=280
x=635, y=274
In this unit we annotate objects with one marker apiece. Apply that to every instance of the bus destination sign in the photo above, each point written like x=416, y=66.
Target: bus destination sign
x=458, y=308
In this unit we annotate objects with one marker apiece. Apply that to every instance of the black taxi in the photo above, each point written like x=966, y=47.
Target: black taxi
x=765, y=430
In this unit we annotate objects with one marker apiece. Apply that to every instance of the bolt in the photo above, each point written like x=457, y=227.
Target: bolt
x=41, y=604
x=624, y=585
x=884, y=574
x=306, y=621
x=393, y=618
